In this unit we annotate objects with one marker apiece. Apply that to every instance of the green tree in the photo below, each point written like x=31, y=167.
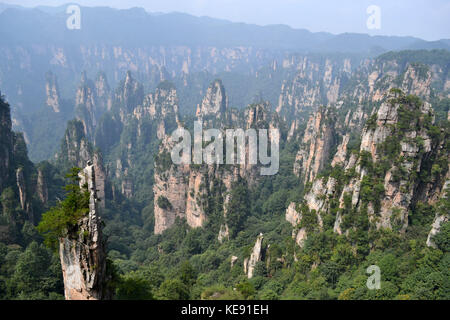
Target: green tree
x=35, y=274
x=56, y=222
x=173, y=289
x=133, y=286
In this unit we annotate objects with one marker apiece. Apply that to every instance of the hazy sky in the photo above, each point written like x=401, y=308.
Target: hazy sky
x=427, y=19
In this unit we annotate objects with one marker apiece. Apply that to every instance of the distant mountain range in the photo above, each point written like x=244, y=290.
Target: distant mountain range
x=20, y=25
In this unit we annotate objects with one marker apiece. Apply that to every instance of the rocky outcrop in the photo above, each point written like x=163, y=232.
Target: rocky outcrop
x=442, y=213
x=170, y=190
x=386, y=73
x=255, y=257
x=6, y=143
x=23, y=193
x=181, y=190
x=16, y=169
x=161, y=108
x=439, y=220
x=82, y=251
x=294, y=217
x=92, y=100
x=52, y=92
x=383, y=180
x=129, y=95
x=215, y=101
x=153, y=119
x=341, y=154
x=317, y=82
x=76, y=151
x=41, y=187
x=318, y=139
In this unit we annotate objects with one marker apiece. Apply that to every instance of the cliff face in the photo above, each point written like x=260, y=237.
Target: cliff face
x=181, y=190
x=6, y=143
x=93, y=98
x=383, y=74
x=151, y=119
x=215, y=101
x=255, y=257
x=385, y=179
x=129, y=94
x=17, y=180
x=82, y=251
x=442, y=214
x=52, y=92
x=76, y=151
x=318, y=139
x=294, y=217
x=160, y=107
x=317, y=82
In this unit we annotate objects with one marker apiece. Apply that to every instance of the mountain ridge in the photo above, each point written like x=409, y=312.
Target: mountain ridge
x=193, y=30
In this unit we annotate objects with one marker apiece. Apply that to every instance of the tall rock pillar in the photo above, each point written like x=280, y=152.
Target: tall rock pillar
x=82, y=251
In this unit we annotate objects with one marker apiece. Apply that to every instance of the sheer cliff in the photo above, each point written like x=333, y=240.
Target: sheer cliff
x=82, y=251
x=17, y=180
x=380, y=184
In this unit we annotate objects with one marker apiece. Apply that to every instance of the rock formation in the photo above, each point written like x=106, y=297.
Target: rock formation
x=82, y=251
x=382, y=181
x=92, y=100
x=316, y=146
x=76, y=151
x=294, y=217
x=181, y=190
x=317, y=82
x=18, y=179
x=52, y=92
x=215, y=102
x=255, y=257
x=442, y=214
x=6, y=143
x=129, y=94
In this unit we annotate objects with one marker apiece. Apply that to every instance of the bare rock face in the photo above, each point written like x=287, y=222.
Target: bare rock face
x=294, y=218
x=16, y=172
x=76, y=151
x=82, y=251
x=161, y=107
x=23, y=194
x=442, y=215
x=129, y=94
x=341, y=154
x=52, y=92
x=170, y=192
x=255, y=257
x=42, y=189
x=215, y=102
x=439, y=220
x=316, y=144
x=384, y=75
x=233, y=260
x=180, y=191
x=316, y=82
x=92, y=100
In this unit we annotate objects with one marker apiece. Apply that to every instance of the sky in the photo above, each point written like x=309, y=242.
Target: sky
x=426, y=19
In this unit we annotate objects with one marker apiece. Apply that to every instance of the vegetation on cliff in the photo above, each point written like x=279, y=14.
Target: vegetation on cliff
x=61, y=219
